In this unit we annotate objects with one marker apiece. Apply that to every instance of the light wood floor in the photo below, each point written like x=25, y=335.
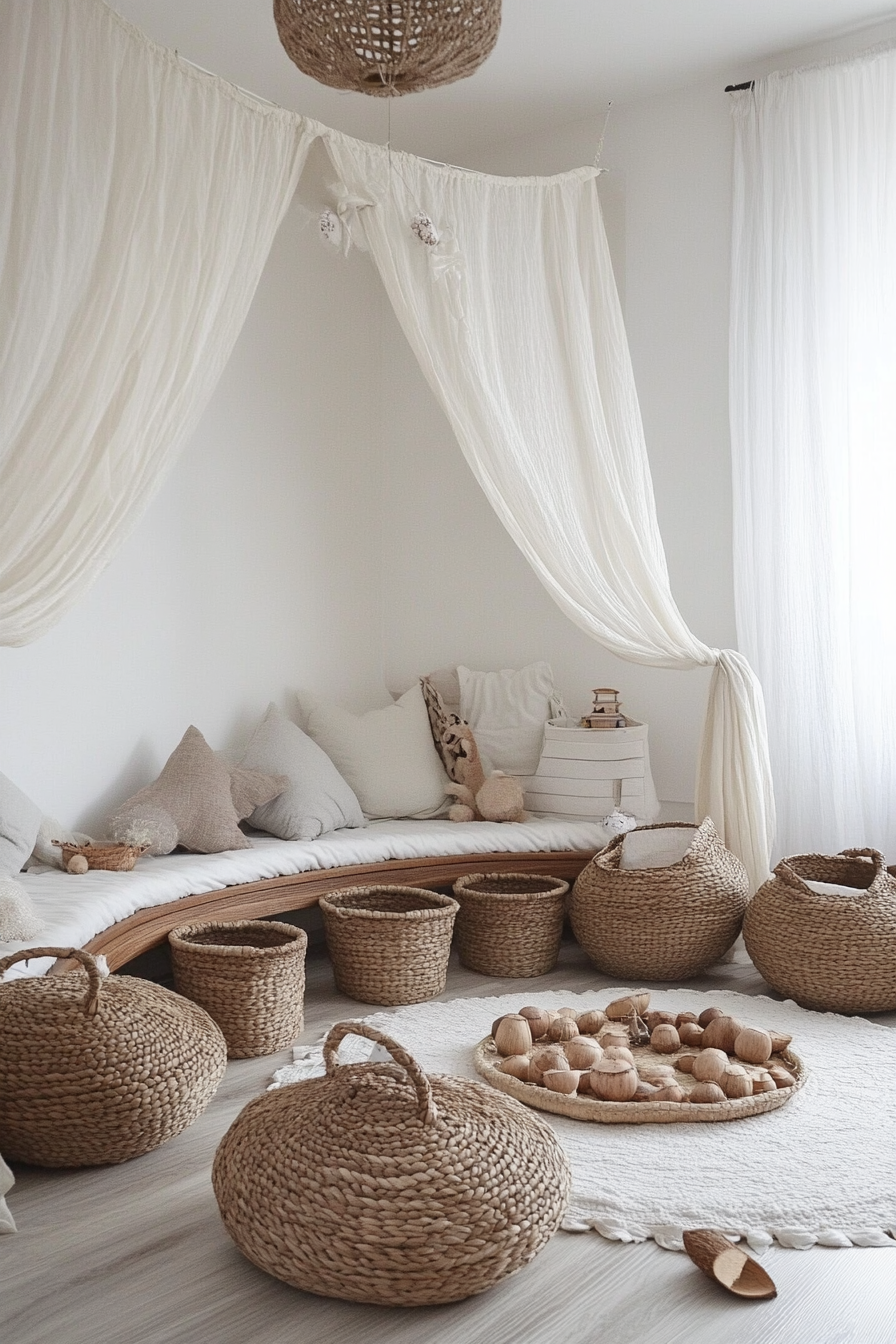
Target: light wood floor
x=136, y=1254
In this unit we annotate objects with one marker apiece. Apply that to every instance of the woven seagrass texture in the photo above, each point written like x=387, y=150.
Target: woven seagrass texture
x=378, y=1183
x=389, y=944
x=834, y=953
x=249, y=975
x=387, y=47
x=510, y=924
x=114, y=858
x=660, y=923
x=100, y=1070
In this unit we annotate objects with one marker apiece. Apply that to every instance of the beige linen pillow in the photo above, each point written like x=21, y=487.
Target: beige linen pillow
x=387, y=756
x=194, y=790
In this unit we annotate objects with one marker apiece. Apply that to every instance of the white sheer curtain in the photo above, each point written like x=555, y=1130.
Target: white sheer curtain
x=813, y=413
x=515, y=320
x=138, y=201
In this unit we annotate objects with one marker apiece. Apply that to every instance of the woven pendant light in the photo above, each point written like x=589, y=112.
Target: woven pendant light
x=387, y=47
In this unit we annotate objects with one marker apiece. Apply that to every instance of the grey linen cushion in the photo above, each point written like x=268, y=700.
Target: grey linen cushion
x=316, y=798
x=20, y=821
x=194, y=790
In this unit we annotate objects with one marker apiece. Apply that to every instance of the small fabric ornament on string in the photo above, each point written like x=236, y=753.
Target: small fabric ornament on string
x=330, y=226
x=425, y=230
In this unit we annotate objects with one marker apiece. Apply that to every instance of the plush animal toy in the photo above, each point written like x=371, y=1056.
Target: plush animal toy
x=496, y=798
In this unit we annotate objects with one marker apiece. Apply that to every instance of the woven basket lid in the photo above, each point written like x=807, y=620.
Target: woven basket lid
x=387, y=47
x=378, y=1183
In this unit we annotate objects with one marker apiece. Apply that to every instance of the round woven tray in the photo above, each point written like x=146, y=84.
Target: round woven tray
x=510, y=924
x=578, y=1107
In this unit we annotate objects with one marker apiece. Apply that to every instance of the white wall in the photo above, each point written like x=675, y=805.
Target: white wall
x=255, y=570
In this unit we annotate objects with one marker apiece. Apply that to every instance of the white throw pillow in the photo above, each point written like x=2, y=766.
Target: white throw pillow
x=19, y=824
x=316, y=800
x=507, y=712
x=386, y=755
x=656, y=848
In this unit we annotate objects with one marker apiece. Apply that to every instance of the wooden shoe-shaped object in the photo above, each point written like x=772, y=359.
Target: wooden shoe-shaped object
x=727, y=1264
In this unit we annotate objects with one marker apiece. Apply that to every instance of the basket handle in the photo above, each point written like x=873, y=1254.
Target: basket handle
x=426, y=1107
x=796, y=883
x=94, y=974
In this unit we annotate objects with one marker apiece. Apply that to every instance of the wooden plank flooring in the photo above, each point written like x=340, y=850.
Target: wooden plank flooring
x=136, y=1254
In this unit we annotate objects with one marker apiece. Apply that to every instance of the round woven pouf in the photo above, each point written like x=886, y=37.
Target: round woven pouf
x=378, y=1183
x=249, y=974
x=832, y=950
x=100, y=1070
x=510, y=924
x=389, y=944
x=667, y=922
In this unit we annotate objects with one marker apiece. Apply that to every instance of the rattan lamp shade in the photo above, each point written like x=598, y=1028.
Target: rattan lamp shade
x=387, y=47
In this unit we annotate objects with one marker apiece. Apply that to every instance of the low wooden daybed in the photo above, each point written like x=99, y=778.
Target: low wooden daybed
x=149, y=927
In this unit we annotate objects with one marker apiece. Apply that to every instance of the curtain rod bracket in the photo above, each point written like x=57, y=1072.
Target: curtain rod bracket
x=736, y=88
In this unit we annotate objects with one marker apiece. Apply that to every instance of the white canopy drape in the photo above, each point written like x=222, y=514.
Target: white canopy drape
x=813, y=419
x=515, y=320
x=138, y=202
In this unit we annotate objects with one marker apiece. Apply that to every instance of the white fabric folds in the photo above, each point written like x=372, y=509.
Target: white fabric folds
x=515, y=320
x=813, y=432
x=138, y=202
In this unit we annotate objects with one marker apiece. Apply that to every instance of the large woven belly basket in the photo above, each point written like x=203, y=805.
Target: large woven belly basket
x=99, y=1071
x=831, y=950
x=666, y=922
x=380, y=1183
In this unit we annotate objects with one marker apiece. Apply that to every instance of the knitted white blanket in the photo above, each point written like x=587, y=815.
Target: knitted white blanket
x=819, y=1170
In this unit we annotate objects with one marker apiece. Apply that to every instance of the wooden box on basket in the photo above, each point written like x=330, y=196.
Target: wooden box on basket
x=587, y=773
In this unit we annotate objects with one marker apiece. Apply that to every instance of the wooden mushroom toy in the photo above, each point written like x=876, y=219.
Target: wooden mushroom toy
x=512, y=1035
x=727, y=1264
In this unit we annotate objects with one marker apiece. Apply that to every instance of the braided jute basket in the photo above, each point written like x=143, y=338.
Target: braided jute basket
x=378, y=1183
x=249, y=975
x=665, y=923
x=509, y=924
x=389, y=944
x=99, y=1071
x=833, y=952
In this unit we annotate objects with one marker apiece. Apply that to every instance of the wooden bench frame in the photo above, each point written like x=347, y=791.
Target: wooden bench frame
x=149, y=927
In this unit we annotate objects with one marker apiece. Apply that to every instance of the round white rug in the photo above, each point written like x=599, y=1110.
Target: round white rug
x=819, y=1170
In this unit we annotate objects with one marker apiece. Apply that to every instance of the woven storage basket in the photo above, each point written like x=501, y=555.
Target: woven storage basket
x=509, y=924
x=249, y=975
x=377, y=1183
x=98, y=1072
x=389, y=944
x=834, y=952
x=664, y=923
x=113, y=858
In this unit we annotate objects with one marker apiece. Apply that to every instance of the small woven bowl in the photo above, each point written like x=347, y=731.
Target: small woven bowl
x=114, y=858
